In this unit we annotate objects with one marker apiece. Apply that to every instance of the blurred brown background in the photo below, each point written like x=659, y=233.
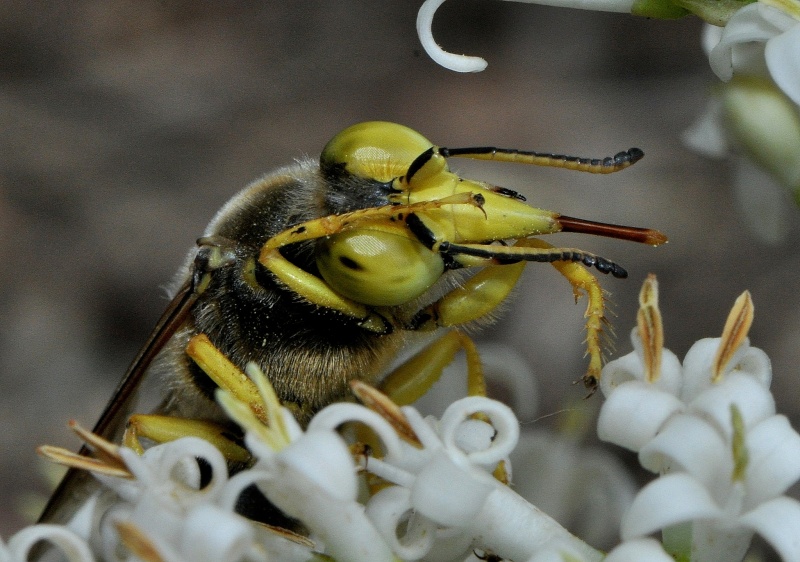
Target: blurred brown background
x=125, y=125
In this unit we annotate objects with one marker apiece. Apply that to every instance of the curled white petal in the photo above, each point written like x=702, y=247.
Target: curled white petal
x=73, y=547
x=637, y=550
x=331, y=417
x=501, y=417
x=668, y=500
x=458, y=63
x=778, y=521
x=634, y=413
x=389, y=510
x=178, y=462
x=745, y=31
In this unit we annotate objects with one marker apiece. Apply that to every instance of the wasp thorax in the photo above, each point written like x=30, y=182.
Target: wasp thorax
x=376, y=267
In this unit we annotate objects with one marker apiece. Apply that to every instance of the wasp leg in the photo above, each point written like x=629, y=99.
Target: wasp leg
x=333, y=224
x=163, y=429
x=583, y=281
x=408, y=382
x=475, y=298
x=316, y=291
x=489, y=287
x=228, y=376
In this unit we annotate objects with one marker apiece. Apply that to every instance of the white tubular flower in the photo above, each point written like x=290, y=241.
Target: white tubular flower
x=755, y=114
x=447, y=487
x=725, y=457
x=647, y=387
x=71, y=546
x=637, y=404
x=763, y=36
x=726, y=488
x=311, y=476
x=164, y=507
x=464, y=63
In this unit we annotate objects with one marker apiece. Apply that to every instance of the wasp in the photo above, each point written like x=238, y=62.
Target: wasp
x=319, y=271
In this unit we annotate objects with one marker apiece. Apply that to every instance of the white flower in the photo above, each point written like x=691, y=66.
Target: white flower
x=69, y=544
x=712, y=433
x=446, y=487
x=463, y=63
x=164, y=507
x=761, y=39
x=647, y=387
x=726, y=487
x=755, y=114
x=310, y=476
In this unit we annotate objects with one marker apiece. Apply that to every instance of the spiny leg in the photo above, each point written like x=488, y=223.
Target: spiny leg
x=457, y=306
x=583, y=281
x=227, y=376
x=411, y=380
x=374, y=216
x=163, y=429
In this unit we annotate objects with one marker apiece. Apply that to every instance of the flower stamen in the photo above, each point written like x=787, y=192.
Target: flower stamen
x=735, y=332
x=651, y=328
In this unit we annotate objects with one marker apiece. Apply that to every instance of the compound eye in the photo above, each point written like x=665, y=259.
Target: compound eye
x=375, y=150
x=377, y=268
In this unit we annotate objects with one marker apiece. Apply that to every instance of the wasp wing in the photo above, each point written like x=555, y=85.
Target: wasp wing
x=77, y=484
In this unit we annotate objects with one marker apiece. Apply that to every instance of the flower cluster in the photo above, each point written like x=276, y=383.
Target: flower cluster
x=709, y=427
x=444, y=501
x=442, y=489
x=754, y=114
